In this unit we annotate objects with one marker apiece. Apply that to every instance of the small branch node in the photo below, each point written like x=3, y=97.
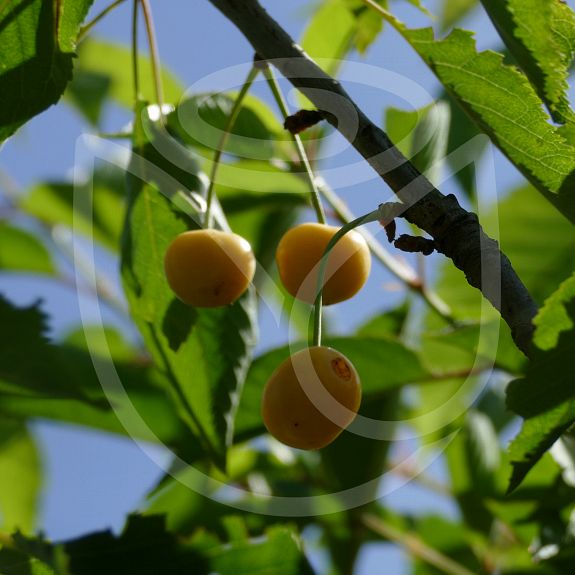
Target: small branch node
x=302, y=120
x=414, y=244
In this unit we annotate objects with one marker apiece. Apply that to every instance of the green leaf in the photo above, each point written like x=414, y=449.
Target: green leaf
x=279, y=553
x=200, y=120
x=504, y=105
x=145, y=390
x=145, y=546
x=71, y=14
x=20, y=477
x=388, y=324
x=106, y=67
x=422, y=135
x=335, y=28
x=545, y=398
x=95, y=209
x=88, y=92
x=540, y=34
x=452, y=11
x=29, y=364
x=461, y=131
x=37, y=41
x=329, y=33
x=553, y=318
x=23, y=252
x=203, y=353
x=18, y=563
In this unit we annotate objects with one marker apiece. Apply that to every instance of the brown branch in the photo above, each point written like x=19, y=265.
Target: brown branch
x=456, y=232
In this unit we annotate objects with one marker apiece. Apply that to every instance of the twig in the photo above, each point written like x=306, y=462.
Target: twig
x=85, y=29
x=315, y=198
x=415, y=546
x=155, y=56
x=237, y=106
x=457, y=233
x=135, y=68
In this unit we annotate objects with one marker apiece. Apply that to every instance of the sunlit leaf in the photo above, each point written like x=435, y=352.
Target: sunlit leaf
x=95, y=208
x=545, y=398
x=104, y=69
x=504, y=105
x=21, y=251
x=421, y=135
x=20, y=477
x=29, y=363
x=452, y=11
x=37, y=42
x=540, y=34
x=201, y=119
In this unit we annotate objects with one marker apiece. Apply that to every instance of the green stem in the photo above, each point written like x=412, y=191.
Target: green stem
x=370, y=217
x=84, y=30
x=223, y=140
x=116, y=135
x=414, y=545
x=135, y=72
x=155, y=56
x=315, y=197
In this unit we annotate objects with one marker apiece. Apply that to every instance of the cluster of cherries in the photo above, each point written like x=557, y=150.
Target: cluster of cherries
x=315, y=393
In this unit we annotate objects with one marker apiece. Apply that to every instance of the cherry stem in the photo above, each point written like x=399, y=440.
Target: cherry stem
x=135, y=71
x=84, y=30
x=318, y=304
x=234, y=113
x=155, y=56
x=314, y=191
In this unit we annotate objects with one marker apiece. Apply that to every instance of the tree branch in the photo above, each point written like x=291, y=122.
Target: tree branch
x=457, y=232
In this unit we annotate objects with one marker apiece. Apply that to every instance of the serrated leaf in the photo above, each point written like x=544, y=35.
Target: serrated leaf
x=29, y=363
x=204, y=353
x=20, y=477
x=21, y=251
x=37, y=41
x=98, y=214
x=545, y=398
x=540, y=34
x=105, y=69
x=504, y=105
x=553, y=318
x=145, y=390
